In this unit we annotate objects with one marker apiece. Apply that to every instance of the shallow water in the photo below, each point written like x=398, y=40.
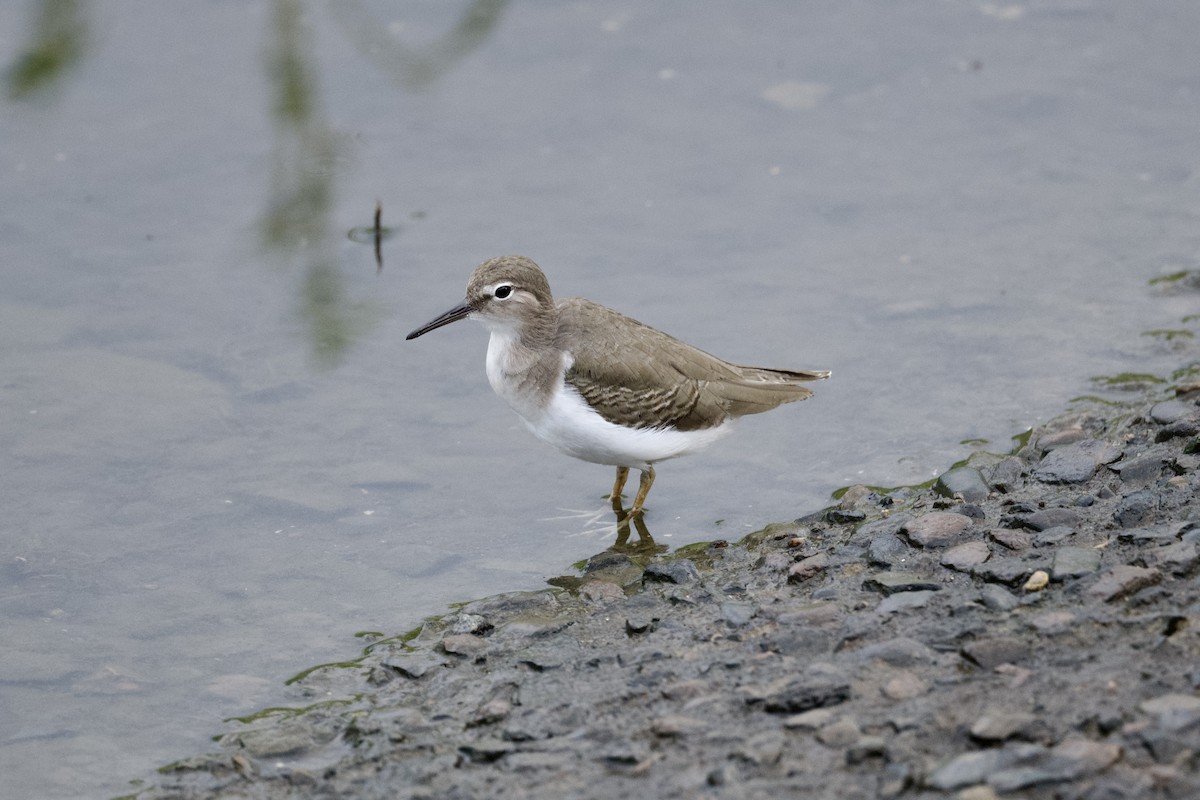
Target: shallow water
x=220, y=458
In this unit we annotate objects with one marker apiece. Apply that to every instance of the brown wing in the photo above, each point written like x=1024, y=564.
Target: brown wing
x=635, y=375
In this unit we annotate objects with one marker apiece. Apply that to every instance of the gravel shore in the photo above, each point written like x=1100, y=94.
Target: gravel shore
x=1026, y=626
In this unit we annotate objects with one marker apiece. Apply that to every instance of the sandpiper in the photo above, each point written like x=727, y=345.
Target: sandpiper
x=602, y=387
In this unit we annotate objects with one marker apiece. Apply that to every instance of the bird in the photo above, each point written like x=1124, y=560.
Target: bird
x=603, y=387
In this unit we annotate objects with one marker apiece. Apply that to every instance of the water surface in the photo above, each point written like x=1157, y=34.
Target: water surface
x=221, y=460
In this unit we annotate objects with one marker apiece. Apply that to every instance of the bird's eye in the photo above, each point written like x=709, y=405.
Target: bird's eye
x=503, y=291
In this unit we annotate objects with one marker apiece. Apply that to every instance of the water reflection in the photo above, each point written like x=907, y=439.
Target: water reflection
x=307, y=153
x=417, y=67
x=56, y=44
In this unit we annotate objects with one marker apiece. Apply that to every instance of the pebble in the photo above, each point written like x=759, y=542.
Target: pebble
x=1179, y=558
x=807, y=692
x=887, y=550
x=905, y=685
x=892, y=582
x=997, y=726
x=1075, y=463
x=1052, y=623
x=1011, y=538
x=1123, y=580
x=806, y=568
x=1009, y=570
x=1170, y=411
x=1173, y=712
x=1039, y=580
x=676, y=725
x=964, y=556
x=1006, y=475
x=810, y=720
x=464, y=644
x=841, y=733
x=1136, y=508
x=901, y=601
x=936, y=529
x=1074, y=562
x=677, y=570
x=899, y=652
x=992, y=652
x=737, y=613
x=997, y=598
x=1145, y=467
x=1052, y=536
x=964, y=482
x=1049, y=518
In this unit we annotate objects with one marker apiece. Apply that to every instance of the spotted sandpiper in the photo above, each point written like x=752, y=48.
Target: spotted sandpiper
x=602, y=387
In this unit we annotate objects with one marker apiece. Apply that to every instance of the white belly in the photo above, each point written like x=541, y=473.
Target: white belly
x=573, y=427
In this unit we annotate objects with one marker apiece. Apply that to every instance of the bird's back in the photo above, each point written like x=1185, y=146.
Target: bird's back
x=635, y=375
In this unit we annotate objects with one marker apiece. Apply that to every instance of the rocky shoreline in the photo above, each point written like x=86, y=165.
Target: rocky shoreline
x=1027, y=625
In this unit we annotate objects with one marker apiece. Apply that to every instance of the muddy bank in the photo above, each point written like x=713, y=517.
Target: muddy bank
x=1029, y=625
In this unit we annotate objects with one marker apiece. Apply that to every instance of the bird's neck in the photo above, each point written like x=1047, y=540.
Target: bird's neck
x=524, y=366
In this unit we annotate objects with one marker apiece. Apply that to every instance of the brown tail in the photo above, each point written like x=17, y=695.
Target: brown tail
x=763, y=389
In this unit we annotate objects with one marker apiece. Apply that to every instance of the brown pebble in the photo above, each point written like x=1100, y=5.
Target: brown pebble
x=1011, y=538
x=806, y=568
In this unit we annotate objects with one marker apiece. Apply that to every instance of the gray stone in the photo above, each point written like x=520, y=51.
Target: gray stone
x=904, y=685
x=964, y=556
x=1173, y=712
x=1009, y=571
x=486, y=750
x=807, y=692
x=899, y=652
x=992, y=652
x=1145, y=467
x=1051, y=518
x=1006, y=475
x=679, y=570
x=998, y=598
x=1052, y=536
x=413, y=665
x=891, y=582
x=1166, y=533
x=936, y=529
x=997, y=726
x=964, y=482
x=1075, y=463
x=887, y=549
x=1053, y=623
x=1169, y=411
x=467, y=645
x=737, y=613
x=1123, y=580
x=470, y=623
x=617, y=568
x=1011, y=538
x=1188, y=426
x=972, y=768
x=1074, y=562
x=901, y=601
x=809, y=720
x=1136, y=508
x=1178, y=558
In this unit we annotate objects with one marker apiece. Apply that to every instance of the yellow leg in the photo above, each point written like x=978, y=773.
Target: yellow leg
x=619, y=486
x=643, y=489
